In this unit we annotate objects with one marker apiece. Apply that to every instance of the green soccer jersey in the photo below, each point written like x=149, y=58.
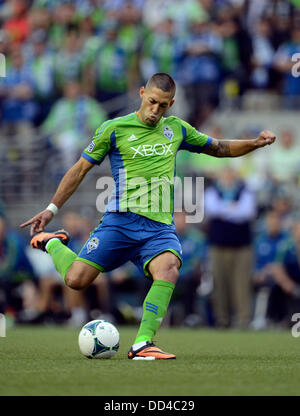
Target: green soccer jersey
x=142, y=159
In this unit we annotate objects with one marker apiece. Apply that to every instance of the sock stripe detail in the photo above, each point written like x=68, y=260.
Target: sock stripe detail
x=156, y=303
x=152, y=305
x=151, y=310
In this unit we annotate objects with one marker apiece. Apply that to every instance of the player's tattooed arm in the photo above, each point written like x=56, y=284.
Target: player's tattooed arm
x=235, y=148
x=218, y=148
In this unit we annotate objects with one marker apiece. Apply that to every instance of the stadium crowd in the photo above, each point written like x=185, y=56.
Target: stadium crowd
x=72, y=64
x=108, y=48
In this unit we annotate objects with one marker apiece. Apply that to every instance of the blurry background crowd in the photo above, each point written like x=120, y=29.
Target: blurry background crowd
x=70, y=65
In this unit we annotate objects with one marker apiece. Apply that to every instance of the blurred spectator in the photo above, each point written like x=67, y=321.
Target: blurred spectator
x=162, y=50
x=199, y=71
x=236, y=54
x=277, y=169
x=131, y=36
x=15, y=268
x=194, y=248
x=63, y=21
x=280, y=13
x=17, y=25
x=263, y=53
x=114, y=6
x=154, y=12
x=111, y=70
x=230, y=208
x=92, y=9
x=266, y=245
x=1, y=209
x=4, y=42
x=17, y=91
x=47, y=4
x=283, y=160
x=183, y=13
x=39, y=20
x=283, y=62
x=282, y=204
x=86, y=30
x=129, y=15
x=68, y=60
x=72, y=120
x=42, y=68
x=286, y=273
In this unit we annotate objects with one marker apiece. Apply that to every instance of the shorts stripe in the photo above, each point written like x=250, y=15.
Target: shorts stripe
x=145, y=267
x=91, y=263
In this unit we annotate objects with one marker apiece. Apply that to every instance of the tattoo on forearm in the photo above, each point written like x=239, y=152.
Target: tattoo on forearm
x=219, y=148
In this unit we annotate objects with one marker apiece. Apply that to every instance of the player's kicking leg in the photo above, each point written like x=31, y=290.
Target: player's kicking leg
x=164, y=270
x=76, y=274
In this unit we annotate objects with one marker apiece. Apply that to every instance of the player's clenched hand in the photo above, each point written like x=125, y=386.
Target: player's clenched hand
x=38, y=222
x=265, y=137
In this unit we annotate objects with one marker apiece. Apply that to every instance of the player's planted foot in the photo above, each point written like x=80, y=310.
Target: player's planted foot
x=149, y=351
x=40, y=240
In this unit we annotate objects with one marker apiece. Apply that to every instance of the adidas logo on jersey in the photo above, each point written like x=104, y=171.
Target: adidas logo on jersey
x=159, y=149
x=132, y=138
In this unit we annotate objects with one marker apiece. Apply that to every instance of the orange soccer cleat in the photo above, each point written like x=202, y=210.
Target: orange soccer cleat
x=40, y=240
x=149, y=352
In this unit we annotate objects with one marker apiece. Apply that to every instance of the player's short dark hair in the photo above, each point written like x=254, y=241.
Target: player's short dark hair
x=162, y=81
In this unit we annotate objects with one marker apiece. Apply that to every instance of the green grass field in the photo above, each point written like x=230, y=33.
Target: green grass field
x=46, y=361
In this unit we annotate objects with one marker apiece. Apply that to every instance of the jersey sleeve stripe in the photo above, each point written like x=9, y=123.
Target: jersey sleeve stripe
x=208, y=143
x=190, y=147
x=90, y=159
x=184, y=134
x=193, y=147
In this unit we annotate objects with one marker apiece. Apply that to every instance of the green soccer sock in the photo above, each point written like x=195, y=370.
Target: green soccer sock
x=61, y=255
x=155, y=307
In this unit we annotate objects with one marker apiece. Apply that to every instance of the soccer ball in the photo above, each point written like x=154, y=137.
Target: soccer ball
x=99, y=339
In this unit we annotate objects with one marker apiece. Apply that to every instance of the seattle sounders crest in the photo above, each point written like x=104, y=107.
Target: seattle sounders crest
x=92, y=244
x=168, y=132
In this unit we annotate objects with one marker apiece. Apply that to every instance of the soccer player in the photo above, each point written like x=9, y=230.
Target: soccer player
x=138, y=223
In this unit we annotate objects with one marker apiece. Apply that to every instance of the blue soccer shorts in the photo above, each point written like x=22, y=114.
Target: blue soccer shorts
x=124, y=236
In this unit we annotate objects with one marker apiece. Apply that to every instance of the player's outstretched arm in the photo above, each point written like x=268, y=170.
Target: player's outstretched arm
x=235, y=148
x=66, y=188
